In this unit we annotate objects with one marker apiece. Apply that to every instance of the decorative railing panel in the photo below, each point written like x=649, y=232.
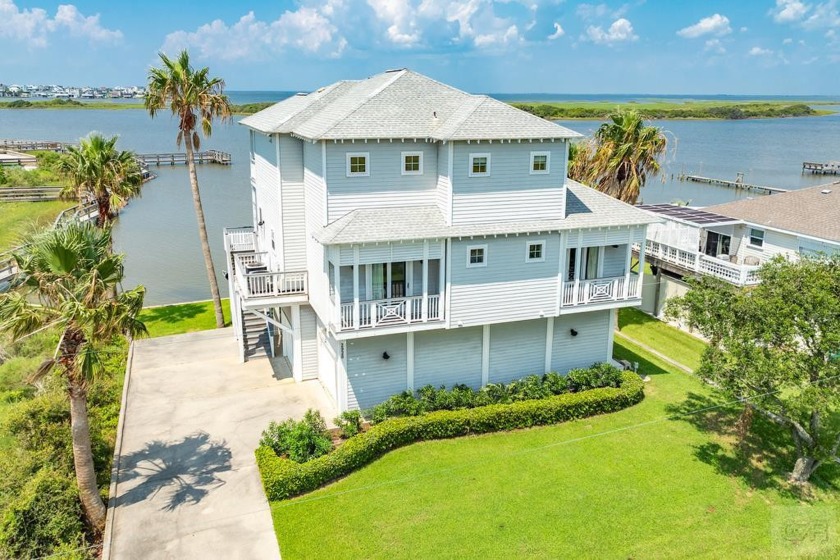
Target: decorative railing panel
x=600, y=290
x=389, y=312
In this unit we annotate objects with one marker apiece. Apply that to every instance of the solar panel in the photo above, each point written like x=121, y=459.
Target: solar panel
x=691, y=215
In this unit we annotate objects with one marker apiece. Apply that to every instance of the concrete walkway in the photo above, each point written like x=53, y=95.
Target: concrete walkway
x=187, y=483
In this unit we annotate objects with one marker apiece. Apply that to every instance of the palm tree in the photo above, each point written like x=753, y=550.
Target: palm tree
x=192, y=96
x=67, y=281
x=97, y=169
x=624, y=154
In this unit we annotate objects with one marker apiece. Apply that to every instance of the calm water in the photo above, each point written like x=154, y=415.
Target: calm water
x=159, y=236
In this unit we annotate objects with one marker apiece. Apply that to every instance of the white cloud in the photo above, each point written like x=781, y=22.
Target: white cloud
x=558, y=32
x=758, y=51
x=620, y=31
x=398, y=15
x=787, y=11
x=715, y=24
x=787, y=41
x=714, y=46
x=34, y=25
x=598, y=11
x=744, y=29
x=826, y=14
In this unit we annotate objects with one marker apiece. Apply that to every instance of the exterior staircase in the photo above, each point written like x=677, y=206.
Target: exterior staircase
x=255, y=335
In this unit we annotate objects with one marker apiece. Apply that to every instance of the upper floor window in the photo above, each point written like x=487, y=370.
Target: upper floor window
x=540, y=162
x=756, y=237
x=476, y=256
x=535, y=251
x=412, y=163
x=358, y=164
x=479, y=165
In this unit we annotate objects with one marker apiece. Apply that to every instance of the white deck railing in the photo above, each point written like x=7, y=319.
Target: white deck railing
x=389, y=312
x=240, y=239
x=740, y=274
x=601, y=290
x=264, y=284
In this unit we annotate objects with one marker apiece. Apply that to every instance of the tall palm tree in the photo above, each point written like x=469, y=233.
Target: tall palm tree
x=625, y=153
x=67, y=281
x=97, y=169
x=194, y=98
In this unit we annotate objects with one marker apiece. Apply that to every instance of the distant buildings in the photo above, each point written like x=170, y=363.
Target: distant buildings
x=70, y=92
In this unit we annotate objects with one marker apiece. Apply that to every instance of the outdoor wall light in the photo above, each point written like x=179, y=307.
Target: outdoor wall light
x=573, y=332
x=385, y=356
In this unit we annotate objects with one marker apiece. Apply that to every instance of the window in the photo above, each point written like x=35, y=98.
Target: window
x=536, y=251
x=756, y=237
x=412, y=163
x=476, y=256
x=357, y=165
x=540, y=163
x=479, y=165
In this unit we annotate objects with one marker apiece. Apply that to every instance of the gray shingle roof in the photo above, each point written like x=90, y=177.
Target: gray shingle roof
x=585, y=208
x=806, y=211
x=400, y=104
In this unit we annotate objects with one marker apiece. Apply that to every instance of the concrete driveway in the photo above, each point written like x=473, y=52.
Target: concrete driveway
x=187, y=483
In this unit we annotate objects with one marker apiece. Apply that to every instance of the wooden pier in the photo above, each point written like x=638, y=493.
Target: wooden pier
x=738, y=184
x=29, y=194
x=210, y=156
x=33, y=145
x=830, y=168
x=9, y=157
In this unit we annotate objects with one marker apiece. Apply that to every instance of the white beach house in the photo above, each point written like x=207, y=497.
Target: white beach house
x=407, y=233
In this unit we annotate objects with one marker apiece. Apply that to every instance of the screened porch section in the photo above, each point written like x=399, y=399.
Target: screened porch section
x=387, y=294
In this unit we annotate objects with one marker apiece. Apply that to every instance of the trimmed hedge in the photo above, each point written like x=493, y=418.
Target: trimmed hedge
x=283, y=479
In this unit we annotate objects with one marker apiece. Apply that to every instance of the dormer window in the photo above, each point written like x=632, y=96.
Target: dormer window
x=357, y=164
x=540, y=163
x=412, y=163
x=479, y=165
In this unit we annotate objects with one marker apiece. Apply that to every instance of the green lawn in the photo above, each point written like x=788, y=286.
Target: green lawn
x=182, y=318
x=18, y=218
x=647, y=482
x=672, y=342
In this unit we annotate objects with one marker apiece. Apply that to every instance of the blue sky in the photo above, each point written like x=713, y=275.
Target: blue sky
x=560, y=46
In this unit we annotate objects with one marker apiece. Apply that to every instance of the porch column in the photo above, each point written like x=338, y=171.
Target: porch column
x=549, y=342
x=578, y=252
x=409, y=362
x=424, y=303
x=240, y=341
x=356, y=291
x=561, y=274
x=442, y=283
x=642, y=254
x=337, y=291
x=627, y=263
x=485, y=356
x=297, y=345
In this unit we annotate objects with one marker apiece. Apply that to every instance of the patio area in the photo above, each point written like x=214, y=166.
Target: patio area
x=187, y=483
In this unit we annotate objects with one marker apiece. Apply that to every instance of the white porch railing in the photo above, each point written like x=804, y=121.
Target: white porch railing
x=601, y=290
x=240, y=239
x=389, y=312
x=256, y=283
x=740, y=274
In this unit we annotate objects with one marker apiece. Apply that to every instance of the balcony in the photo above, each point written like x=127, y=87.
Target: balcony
x=739, y=274
x=254, y=280
x=240, y=239
x=601, y=290
x=390, y=312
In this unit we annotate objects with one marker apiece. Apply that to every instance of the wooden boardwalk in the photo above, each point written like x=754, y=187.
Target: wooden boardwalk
x=173, y=158
x=29, y=194
x=830, y=168
x=732, y=184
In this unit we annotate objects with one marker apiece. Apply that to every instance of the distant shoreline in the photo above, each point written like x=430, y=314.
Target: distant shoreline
x=553, y=110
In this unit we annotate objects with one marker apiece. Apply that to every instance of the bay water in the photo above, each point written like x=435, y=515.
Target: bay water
x=158, y=232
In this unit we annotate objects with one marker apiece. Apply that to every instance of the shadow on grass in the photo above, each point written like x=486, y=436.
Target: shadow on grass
x=175, y=313
x=646, y=367
x=761, y=459
x=629, y=316
x=185, y=471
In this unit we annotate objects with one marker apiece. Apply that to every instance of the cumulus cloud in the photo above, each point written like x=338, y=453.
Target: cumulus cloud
x=715, y=24
x=34, y=25
x=787, y=41
x=787, y=11
x=826, y=14
x=758, y=51
x=558, y=32
x=620, y=31
x=714, y=46
x=599, y=11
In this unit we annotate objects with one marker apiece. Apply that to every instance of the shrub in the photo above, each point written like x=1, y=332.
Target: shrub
x=284, y=479
x=349, y=423
x=300, y=440
x=598, y=375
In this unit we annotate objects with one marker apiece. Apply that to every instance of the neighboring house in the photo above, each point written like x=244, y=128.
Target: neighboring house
x=731, y=241
x=407, y=233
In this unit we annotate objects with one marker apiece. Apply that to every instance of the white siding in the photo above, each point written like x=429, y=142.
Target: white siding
x=370, y=378
x=292, y=211
x=444, y=184
x=775, y=243
x=309, y=340
x=508, y=288
x=589, y=346
x=267, y=182
x=510, y=192
x=516, y=350
x=328, y=350
x=385, y=185
x=314, y=205
x=448, y=357
x=614, y=261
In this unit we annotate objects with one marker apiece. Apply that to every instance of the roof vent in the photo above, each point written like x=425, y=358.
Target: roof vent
x=826, y=191
x=395, y=70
